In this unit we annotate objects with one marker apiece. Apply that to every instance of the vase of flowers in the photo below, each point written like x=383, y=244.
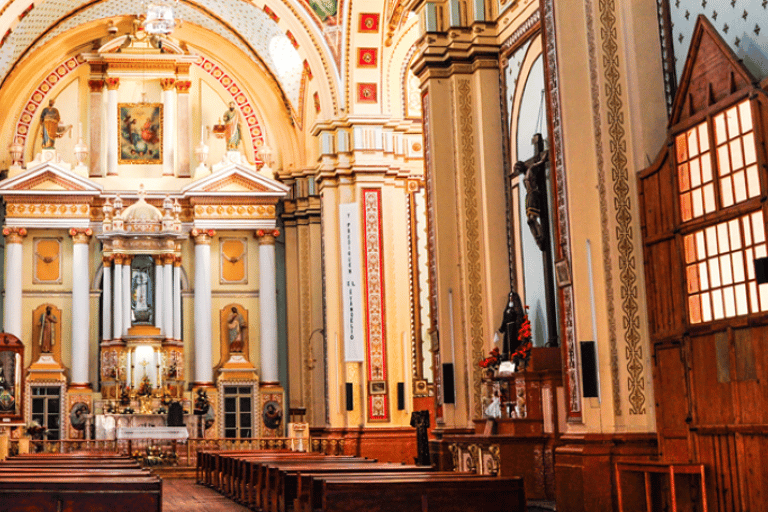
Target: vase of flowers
x=491, y=363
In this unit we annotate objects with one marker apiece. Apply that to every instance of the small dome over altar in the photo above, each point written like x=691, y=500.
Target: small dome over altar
x=141, y=217
x=141, y=212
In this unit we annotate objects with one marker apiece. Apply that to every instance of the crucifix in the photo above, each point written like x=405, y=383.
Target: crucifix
x=534, y=171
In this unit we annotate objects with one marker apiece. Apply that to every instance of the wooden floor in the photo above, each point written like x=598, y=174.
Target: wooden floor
x=184, y=495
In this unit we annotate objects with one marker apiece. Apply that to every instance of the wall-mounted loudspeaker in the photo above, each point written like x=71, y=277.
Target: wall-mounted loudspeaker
x=350, y=397
x=589, y=369
x=449, y=390
x=400, y=396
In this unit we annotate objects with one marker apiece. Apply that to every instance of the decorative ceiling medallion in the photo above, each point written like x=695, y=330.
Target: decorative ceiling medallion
x=367, y=93
x=367, y=57
x=369, y=22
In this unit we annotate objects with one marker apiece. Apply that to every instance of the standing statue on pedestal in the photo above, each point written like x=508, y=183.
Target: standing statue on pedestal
x=235, y=327
x=47, y=331
x=510, y=325
x=232, y=127
x=52, y=130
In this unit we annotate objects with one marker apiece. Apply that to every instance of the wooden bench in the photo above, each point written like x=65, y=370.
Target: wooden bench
x=423, y=494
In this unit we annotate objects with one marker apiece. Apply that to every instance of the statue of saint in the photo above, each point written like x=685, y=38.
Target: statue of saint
x=47, y=331
x=232, y=127
x=52, y=130
x=535, y=170
x=510, y=324
x=235, y=327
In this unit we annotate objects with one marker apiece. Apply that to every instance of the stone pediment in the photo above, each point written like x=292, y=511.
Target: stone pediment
x=235, y=180
x=49, y=179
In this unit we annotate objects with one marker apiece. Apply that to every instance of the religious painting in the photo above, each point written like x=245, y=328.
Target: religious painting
x=142, y=290
x=141, y=133
x=47, y=264
x=377, y=387
x=234, y=261
x=11, y=385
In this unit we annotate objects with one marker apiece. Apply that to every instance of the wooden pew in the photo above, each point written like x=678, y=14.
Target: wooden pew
x=471, y=494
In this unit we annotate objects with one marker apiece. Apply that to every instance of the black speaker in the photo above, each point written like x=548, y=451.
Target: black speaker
x=761, y=270
x=589, y=369
x=400, y=396
x=350, y=397
x=449, y=389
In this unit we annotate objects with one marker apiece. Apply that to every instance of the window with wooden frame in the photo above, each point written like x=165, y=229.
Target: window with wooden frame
x=717, y=170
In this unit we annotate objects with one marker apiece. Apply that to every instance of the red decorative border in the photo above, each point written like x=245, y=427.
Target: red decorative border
x=369, y=22
x=292, y=39
x=271, y=14
x=367, y=93
x=316, y=97
x=367, y=57
x=378, y=405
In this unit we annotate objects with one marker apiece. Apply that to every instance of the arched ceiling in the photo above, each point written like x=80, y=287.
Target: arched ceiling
x=243, y=24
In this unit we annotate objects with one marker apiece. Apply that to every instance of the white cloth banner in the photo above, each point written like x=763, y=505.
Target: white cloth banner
x=178, y=433
x=351, y=279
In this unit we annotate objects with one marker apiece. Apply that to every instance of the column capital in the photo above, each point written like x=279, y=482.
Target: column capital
x=158, y=259
x=14, y=235
x=106, y=260
x=118, y=258
x=267, y=236
x=177, y=260
x=202, y=237
x=183, y=86
x=168, y=259
x=112, y=83
x=96, y=85
x=167, y=83
x=80, y=235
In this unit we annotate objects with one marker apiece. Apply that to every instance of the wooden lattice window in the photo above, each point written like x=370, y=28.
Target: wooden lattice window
x=736, y=155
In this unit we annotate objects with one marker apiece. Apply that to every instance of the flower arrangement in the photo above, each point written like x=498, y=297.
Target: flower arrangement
x=522, y=355
x=493, y=360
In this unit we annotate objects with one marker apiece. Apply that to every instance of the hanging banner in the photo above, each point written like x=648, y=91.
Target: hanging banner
x=351, y=288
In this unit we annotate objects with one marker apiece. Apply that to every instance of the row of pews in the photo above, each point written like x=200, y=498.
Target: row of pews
x=284, y=481
x=68, y=482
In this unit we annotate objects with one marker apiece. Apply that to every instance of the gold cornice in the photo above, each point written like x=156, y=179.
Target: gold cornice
x=240, y=211
x=37, y=210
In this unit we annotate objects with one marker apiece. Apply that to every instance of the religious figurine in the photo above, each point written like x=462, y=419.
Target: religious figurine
x=535, y=170
x=235, y=327
x=510, y=325
x=47, y=331
x=203, y=411
x=420, y=420
x=232, y=127
x=52, y=130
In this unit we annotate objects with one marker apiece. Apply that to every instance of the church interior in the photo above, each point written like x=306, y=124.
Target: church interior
x=503, y=237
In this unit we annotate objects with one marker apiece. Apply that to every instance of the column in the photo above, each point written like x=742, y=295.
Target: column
x=177, y=298
x=168, y=295
x=159, y=292
x=203, y=350
x=169, y=124
x=184, y=128
x=117, y=294
x=127, y=293
x=268, y=306
x=81, y=308
x=14, y=256
x=96, y=109
x=106, y=299
x=112, y=115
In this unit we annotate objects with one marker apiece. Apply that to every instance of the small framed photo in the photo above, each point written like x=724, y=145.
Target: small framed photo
x=377, y=387
x=562, y=273
x=420, y=387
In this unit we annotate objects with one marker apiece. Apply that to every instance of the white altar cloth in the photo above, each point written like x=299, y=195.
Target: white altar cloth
x=175, y=433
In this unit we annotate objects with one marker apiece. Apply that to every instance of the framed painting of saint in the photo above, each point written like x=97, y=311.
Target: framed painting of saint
x=140, y=140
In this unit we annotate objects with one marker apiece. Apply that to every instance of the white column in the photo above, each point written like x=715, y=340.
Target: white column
x=126, y=294
x=13, y=263
x=184, y=149
x=81, y=308
x=96, y=111
x=168, y=296
x=112, y=115
x=177, y=299
x=159, y=285
x=203, y=348
x=117, y=299
x=268, y=307
x=169, y=125
x=106, y=299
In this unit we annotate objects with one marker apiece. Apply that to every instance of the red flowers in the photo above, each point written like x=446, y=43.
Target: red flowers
x=493, y=360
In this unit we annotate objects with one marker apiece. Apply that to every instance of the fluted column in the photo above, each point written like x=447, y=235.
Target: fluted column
x=94, y=126
x=203, y=347
x=168, y=296
x=112, y=85
x=184, y=148
x=177, y=298
x=81, y=309
x=268, y=306
x=117, y=299
x=169, y=124
x=106, y=298
x=127, y=294
x=159, y=292
x=14, y=257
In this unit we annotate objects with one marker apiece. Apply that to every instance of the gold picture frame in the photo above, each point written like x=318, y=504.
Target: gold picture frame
x=140, y=137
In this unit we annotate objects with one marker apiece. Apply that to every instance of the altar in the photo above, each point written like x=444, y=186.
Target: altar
x=109, y=426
